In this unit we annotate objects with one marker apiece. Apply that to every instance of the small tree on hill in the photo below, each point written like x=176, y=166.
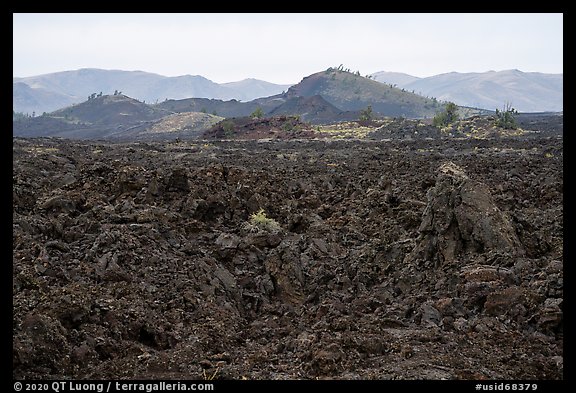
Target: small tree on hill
x=228, y=128
x=506, y=118
x=257, y=114
x=448, y=116
x=367, y=114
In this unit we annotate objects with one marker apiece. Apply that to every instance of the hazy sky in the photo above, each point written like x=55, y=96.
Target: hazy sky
x=283, y=48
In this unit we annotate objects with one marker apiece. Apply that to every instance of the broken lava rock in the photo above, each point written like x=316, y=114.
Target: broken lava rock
x=461, y=218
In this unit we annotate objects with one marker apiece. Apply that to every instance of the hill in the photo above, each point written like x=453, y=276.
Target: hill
x=115, y=117
x=230, y=108
x=114, y=110
x=74, y=86
x=352, y=92
x=314, y=109
x=526, y=91
x=100, y=117
x=327, y=96
x=188, y=125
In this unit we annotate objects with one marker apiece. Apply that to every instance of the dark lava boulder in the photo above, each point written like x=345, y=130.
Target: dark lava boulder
x=462, y=218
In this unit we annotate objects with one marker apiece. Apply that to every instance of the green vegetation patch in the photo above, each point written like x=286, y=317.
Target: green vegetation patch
x=261, y=221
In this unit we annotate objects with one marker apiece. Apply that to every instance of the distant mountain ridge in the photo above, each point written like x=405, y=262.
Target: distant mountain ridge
x=48, y=92
x=324, y=97
x=394, y=78
x=525, y=91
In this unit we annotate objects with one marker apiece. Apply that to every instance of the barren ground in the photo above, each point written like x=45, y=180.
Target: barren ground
x=424, y=259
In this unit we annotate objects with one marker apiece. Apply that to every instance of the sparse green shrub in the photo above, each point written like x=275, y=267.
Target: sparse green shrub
x=367, y=114
x=506, y=118
x=228, y=127
x=448, y=116
x=259, y=220
x=288, y=126
x=257, y=114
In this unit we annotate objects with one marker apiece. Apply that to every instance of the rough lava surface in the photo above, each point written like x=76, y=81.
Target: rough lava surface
x=398, y=259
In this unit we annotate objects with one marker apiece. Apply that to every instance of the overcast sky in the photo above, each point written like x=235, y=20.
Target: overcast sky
x=284, y=48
